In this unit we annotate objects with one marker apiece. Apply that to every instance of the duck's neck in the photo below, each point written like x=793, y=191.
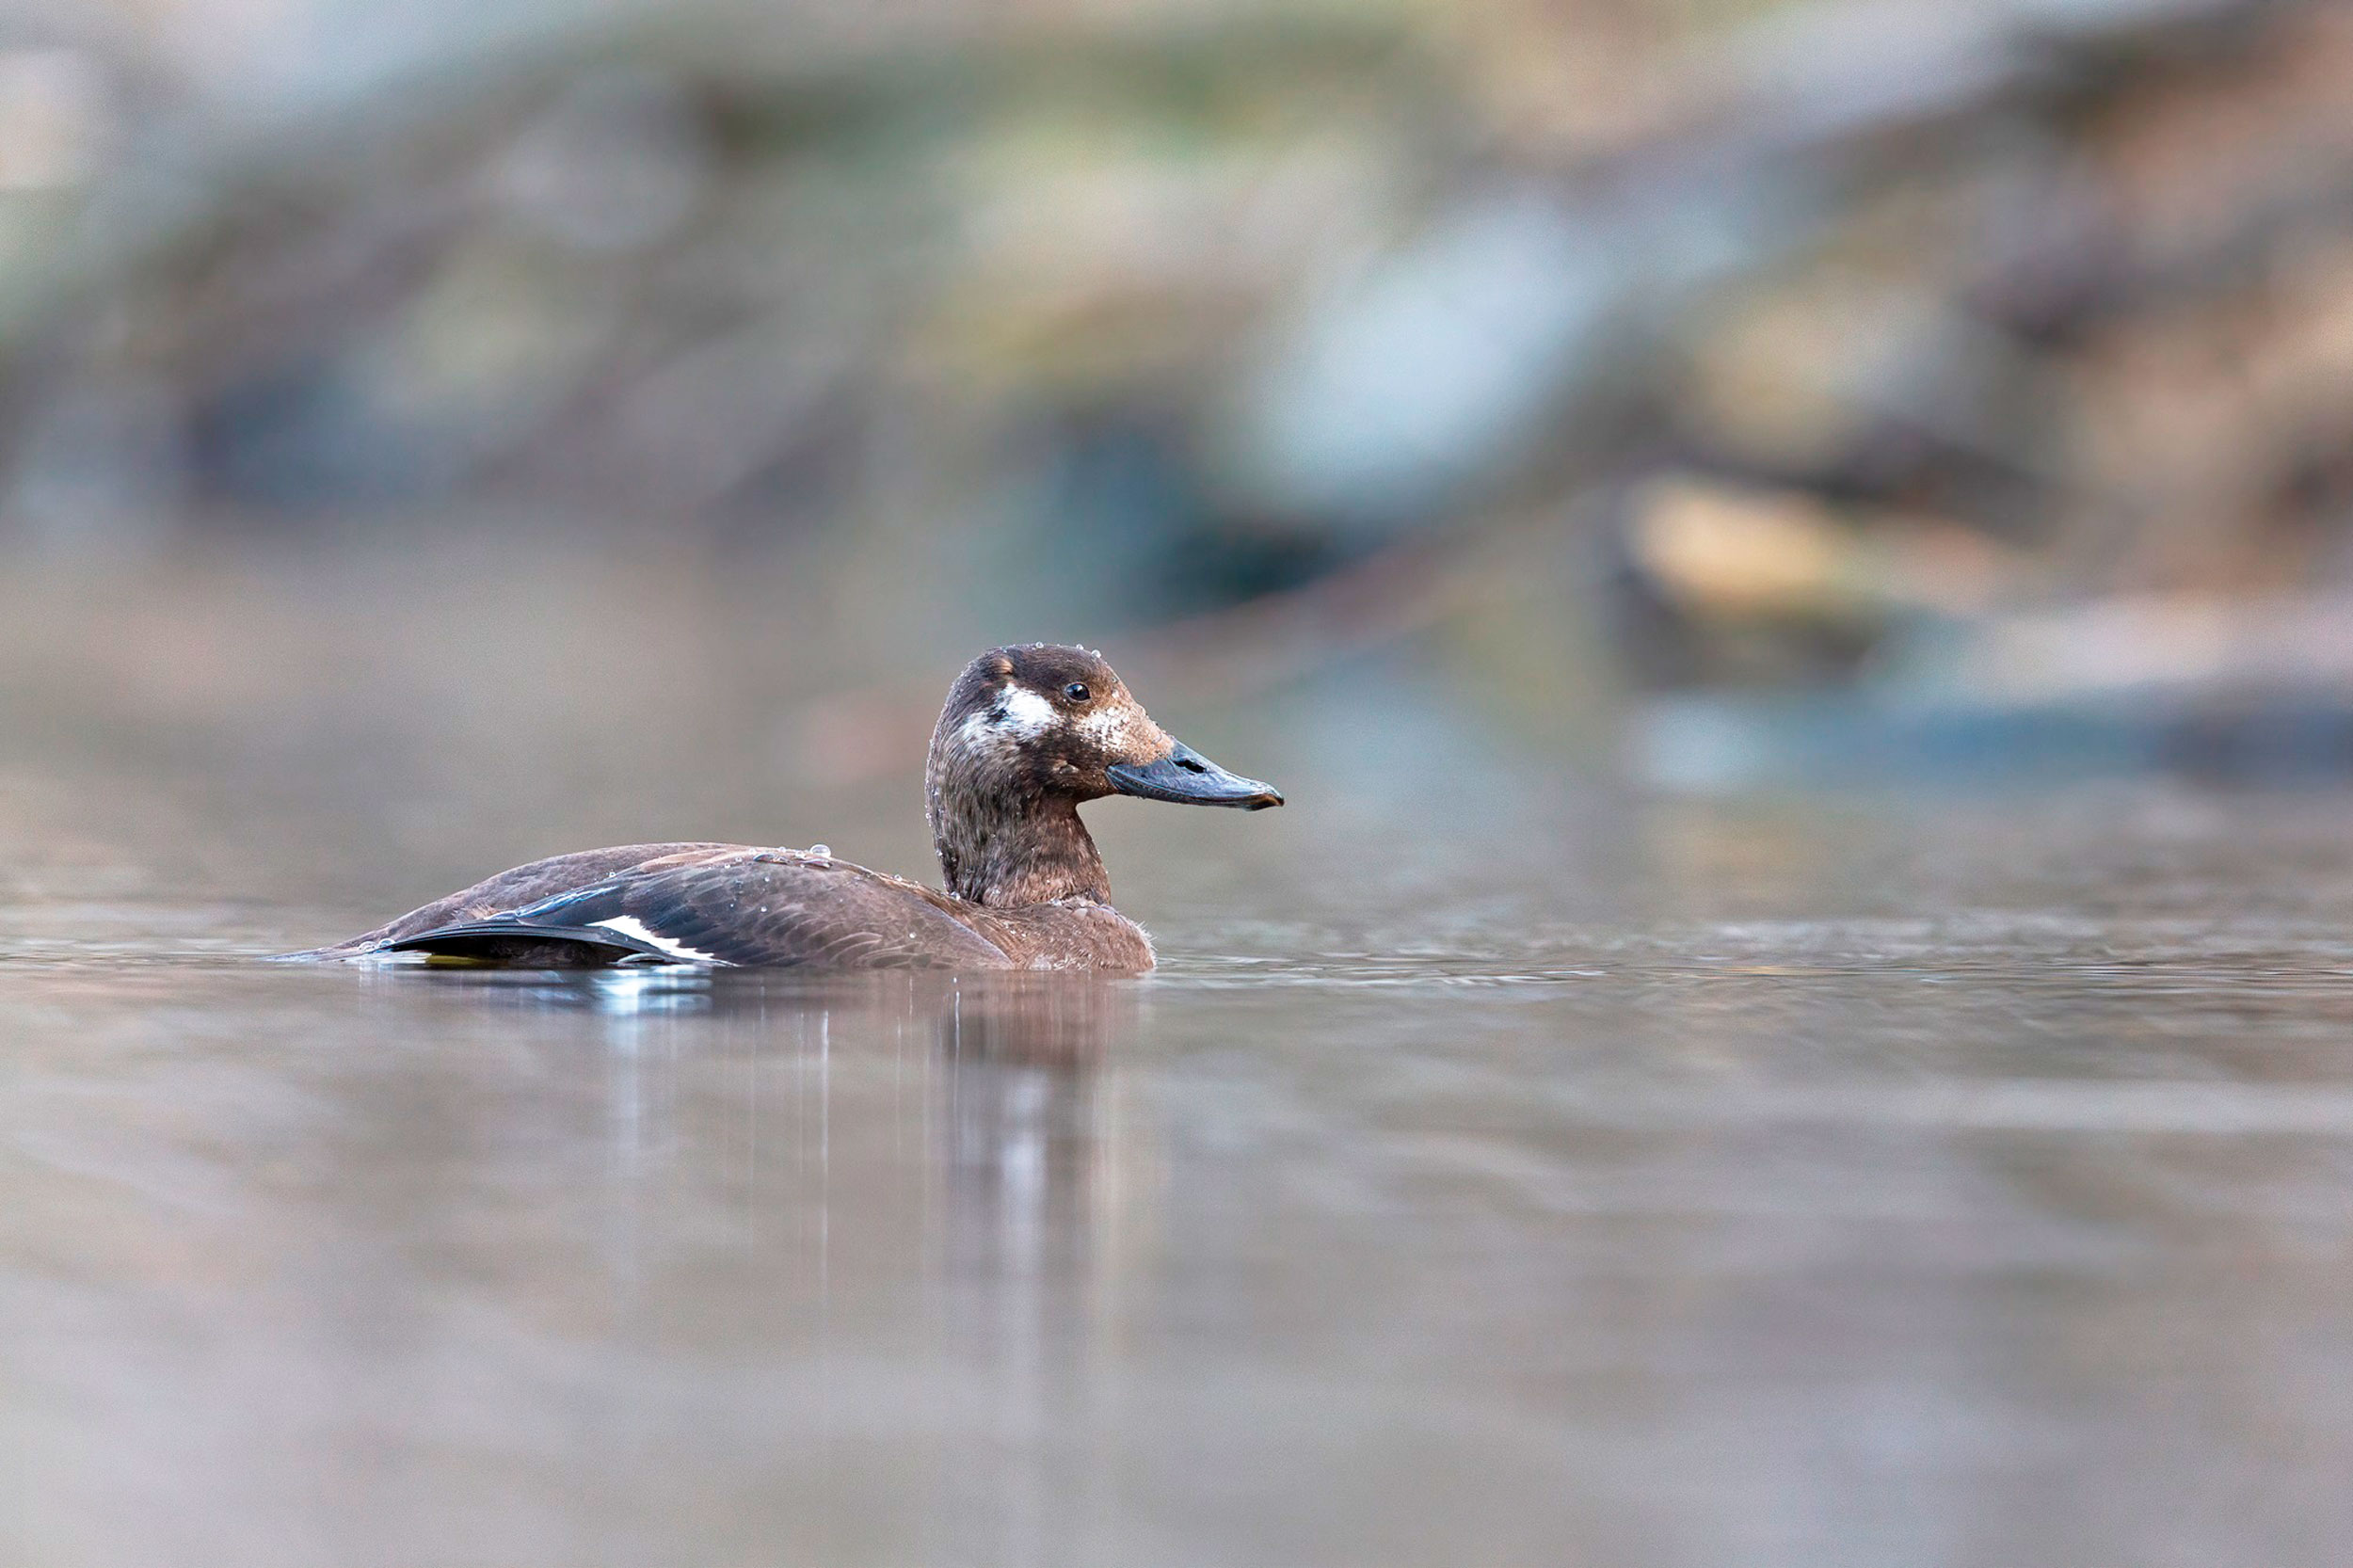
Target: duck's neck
x=1018, y=852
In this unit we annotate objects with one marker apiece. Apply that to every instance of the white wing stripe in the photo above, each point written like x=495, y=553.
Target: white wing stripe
x=630, y=925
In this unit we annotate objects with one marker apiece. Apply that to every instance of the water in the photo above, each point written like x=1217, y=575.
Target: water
x=1623, y=1182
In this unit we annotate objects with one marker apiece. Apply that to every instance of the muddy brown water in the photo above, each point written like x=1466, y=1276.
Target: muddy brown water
x=1633, y=1182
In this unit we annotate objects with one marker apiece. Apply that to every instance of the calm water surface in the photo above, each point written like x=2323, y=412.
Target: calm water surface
x=1950, y=1185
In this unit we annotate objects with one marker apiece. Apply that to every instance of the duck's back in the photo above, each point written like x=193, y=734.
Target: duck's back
x=526, y=883
x=711, y=904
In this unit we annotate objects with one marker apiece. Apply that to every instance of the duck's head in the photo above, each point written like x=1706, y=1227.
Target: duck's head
x=1027, y=735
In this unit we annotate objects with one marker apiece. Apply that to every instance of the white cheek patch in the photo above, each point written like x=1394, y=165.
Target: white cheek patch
x=976, y=732
x=630, y=925
x=1027, y=714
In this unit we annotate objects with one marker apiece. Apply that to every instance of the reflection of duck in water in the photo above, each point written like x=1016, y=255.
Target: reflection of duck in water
x=1028, y=734
x=1062, y=1021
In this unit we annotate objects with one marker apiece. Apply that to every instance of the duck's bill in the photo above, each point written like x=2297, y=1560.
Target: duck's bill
x=1191, y=780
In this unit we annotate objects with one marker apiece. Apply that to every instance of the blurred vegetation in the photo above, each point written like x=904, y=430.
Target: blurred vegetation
x=1949, y=372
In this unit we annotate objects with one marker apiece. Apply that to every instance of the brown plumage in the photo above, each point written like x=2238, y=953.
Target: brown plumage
x=1027, y=735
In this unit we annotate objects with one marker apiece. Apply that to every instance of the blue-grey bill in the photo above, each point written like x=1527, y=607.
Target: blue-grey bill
x=1188, y=777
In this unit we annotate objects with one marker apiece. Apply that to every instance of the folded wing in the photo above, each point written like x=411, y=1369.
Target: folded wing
x=745, y=907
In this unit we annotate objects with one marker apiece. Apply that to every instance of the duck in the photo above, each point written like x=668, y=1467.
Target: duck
x=1028, y=734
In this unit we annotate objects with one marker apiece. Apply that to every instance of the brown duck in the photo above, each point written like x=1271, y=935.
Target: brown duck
x=1027, y=735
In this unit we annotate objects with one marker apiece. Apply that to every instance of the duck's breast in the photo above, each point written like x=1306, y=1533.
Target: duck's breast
x=1079, y=934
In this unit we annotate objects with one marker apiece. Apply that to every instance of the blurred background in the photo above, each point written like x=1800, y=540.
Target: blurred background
x=1794, y=559
x=1706, y=391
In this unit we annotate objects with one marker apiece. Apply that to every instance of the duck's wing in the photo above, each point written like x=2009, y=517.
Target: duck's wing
x=747, y=907
x=527, y=884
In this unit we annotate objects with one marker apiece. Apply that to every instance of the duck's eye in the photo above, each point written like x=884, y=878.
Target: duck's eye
x=1077, y=690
